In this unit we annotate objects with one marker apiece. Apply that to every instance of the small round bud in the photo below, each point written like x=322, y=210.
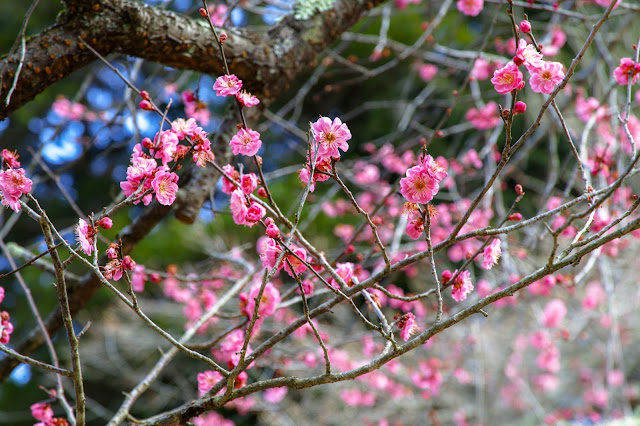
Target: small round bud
x=223, y=37
x=519, y=107
x=105, y=223
x=525, y=27
x=262, y=192
x=146, y=105
x=350, y=249
x=515, y=217
x=272, y=231
x=506, y=112
x=519, y=189
x=145, y=95
x=148, y=143
x=446, y=276
x=203, y=12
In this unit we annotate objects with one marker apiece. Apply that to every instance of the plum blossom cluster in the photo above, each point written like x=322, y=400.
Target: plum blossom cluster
x=43, y=412
x=145, y=177
x=544, y=75
x=86, y=233
x=13, y=182
x=6, y=327
x=244, y=210
x=246, y=141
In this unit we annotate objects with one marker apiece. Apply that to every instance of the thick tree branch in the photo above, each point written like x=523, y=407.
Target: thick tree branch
x=266, y=62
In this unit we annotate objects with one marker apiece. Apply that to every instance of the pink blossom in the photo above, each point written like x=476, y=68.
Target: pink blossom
x=421, y=182
x=484, y=118
x=331, y=136
x=427, y=71
x=268, y=302
x=269, y=254
x=354, y=398
x=470, y=7
x=165, y=146
x=546, y=382
x=491, y=254
x=138, y=278
x=275, y=395
x=165, y=186
x=549, y=359
x=207, y=380
x=345, y=271
x=1, y=294
x=481, y=69
x=217, y=14
x=621, y=73
x=594, y=295
x=245, y=142
x=554, y=313
x=6, y=328
x=402, y=4
x=84, y=235
x=254, y=214
x=14, y=184
x=615, y=378
x=407, y=325
x=545, y=78
x=462, y=286
x=212, y=419
x=184, y=128
x=462, y=376
x=298, y=266
x=238, y=207
x=532, y=59
x=247, y=99
x=227, y=85
x=227, y=186
x=249, y=183
x=507, y=78
x=415, y=228
x=42, y=411
x=558, y=39
x=10, y=158
x=606, y=3
x=428, y=376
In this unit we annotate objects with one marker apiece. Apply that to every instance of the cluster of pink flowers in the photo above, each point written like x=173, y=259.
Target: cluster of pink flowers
x=116, y=266
x=86, y=233
x=269, y=250
x=422, y=181
x=544, y=76
x=627, y=68
x=244, y=211
x=13, y=182
x=43, y=412
x=145, y=177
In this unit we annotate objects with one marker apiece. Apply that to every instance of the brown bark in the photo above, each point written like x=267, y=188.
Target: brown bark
x=267, y=62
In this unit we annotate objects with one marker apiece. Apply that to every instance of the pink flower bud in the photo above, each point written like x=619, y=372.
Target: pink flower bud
x=515, y=217
x=273, y=231
x=146, y=105
x=105, y=222
x=145, y=95
x=519, y=189
x=269, y=220
x=262, y=192
x=203, y=12
x=223, y=37
x=525, y=27
x=128, y=263
x=446, y=276
x=148, y=143
x=519, y=107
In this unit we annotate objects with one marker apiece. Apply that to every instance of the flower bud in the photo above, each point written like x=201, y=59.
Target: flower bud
x=515, y=217
x=203, y=12
x=525, y=27
x=223, y=37
x=105, y=222
x=519, y=107
x=273, y=231
x=146, y=105
x=145, y=95
x=519, y=189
